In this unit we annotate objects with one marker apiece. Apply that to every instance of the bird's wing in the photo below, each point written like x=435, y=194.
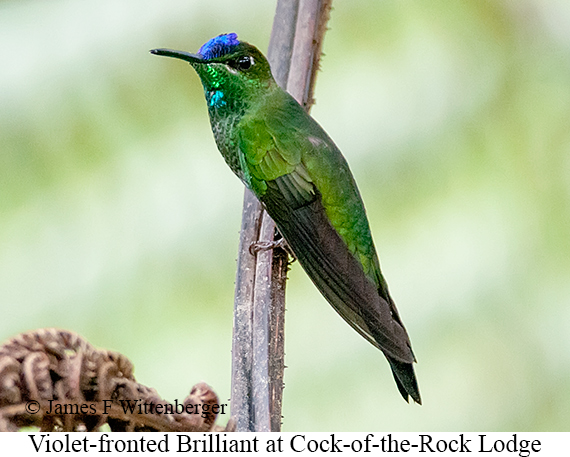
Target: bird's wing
x=278, y=170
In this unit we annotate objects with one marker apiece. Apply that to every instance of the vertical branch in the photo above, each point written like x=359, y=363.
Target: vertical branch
x=277, y=336
x=311, y=27
x=242, y=350
x=259, y=307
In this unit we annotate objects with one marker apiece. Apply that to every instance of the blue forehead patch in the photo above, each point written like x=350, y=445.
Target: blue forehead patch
x=218, y=46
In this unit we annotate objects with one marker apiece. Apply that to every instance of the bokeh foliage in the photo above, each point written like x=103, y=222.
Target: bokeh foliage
x=119, y=219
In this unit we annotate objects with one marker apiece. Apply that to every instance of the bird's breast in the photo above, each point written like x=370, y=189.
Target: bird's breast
x=224, y=128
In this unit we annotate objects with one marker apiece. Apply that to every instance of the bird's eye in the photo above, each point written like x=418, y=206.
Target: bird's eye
x=244, y=63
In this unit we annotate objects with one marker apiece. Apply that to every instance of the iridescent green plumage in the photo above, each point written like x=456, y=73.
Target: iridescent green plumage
x=302, y=179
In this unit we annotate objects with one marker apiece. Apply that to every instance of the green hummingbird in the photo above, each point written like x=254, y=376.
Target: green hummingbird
x=300, y=176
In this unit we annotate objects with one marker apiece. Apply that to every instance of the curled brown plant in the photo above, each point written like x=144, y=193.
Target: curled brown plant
x=55, y=380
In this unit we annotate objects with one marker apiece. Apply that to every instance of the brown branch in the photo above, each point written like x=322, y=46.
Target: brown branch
x=55, y=380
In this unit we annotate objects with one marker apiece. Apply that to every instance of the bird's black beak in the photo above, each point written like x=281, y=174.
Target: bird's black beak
x=191, y=58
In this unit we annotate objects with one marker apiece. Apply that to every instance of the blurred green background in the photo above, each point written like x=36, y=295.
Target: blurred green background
x=119, y=219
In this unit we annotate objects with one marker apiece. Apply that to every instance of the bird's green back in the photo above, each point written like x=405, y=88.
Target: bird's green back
x=276, y=137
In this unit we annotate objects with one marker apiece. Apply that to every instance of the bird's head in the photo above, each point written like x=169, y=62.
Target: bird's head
x=227, y=67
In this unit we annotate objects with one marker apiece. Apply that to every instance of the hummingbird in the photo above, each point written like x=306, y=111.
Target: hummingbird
x=304, y=183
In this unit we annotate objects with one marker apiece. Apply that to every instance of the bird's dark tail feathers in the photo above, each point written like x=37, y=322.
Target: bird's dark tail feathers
x=405, y=380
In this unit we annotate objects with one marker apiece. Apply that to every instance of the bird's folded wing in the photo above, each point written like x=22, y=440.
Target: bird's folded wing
x=285, y=187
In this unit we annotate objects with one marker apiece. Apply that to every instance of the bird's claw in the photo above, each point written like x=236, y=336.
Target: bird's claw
x=254, y=248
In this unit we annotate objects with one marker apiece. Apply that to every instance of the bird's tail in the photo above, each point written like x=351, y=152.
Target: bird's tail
x=405, y=380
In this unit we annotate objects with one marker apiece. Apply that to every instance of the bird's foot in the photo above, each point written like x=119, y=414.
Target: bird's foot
x=258, y=246
x=281, y=243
